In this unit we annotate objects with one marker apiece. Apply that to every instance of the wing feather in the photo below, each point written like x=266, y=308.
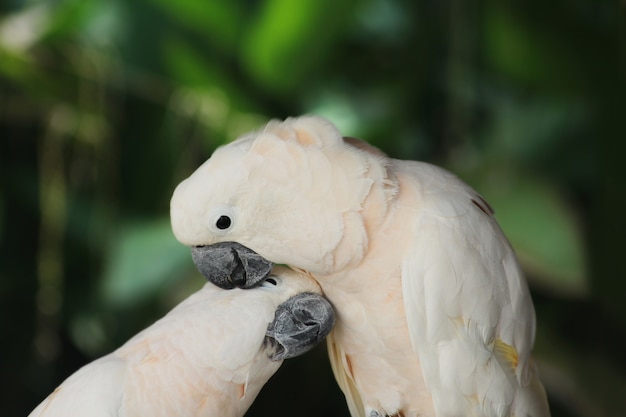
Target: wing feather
x=468, y=307
x=340, y=367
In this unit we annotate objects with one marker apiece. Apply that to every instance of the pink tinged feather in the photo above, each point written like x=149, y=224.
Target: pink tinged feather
x=393, y=223
x=204, y=358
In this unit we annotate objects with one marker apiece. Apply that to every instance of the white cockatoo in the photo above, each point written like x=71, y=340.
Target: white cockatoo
x=208, y=357
x=434, y=316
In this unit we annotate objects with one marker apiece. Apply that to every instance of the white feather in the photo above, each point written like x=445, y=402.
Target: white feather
x=434, y=315
x=204, y=358
x=463, y=270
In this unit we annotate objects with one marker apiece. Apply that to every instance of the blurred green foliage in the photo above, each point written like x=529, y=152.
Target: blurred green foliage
x=105, y=105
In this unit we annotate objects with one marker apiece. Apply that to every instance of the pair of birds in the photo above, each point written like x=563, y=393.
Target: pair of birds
x=433, y=315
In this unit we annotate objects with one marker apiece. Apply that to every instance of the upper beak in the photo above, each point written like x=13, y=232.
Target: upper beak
x=230, y=264
x=299, y=324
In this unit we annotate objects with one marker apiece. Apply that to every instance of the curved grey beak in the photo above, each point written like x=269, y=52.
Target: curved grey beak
x=230, y=264
x=299, y=324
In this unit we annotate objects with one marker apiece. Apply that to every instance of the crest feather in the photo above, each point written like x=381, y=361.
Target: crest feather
x=306, y=130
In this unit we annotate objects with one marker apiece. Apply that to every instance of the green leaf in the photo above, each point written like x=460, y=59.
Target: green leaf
x=289, y=38
x=190, y=67
x=144, y=258
x=69, y=18
x=209, y=94
x=222, y=20
x=523, y=51
x=528, y=129
x=21, y=69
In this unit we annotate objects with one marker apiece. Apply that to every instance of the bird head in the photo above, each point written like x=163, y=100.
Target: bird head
x=287, y=194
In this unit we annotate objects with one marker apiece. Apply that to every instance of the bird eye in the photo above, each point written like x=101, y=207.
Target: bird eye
x=270, y=282
x=223, y=222
x=221, y=219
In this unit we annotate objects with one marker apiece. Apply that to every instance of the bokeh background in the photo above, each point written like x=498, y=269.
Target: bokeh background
x=105, y=105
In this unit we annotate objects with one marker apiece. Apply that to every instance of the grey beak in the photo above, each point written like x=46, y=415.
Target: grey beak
x=300, y=323
x=229, y=265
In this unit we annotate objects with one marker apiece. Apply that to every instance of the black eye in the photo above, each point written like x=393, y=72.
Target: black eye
x=271, y=281
x=223, y=222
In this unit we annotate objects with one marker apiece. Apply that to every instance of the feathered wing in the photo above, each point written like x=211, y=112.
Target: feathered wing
x=469, y=312
x=343, y=378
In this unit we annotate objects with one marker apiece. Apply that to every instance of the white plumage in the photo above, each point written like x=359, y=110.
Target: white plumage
x=206, y=357
x=434, y=315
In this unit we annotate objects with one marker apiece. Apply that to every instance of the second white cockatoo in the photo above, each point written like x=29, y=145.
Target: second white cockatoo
x=208, y=357
x=434, y=316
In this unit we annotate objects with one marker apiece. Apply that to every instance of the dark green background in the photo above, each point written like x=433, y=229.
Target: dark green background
x=105, y=105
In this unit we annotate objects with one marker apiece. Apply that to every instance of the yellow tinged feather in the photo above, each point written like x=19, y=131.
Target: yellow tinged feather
x=344, y=379
x=381, y=229
x=507, y=352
